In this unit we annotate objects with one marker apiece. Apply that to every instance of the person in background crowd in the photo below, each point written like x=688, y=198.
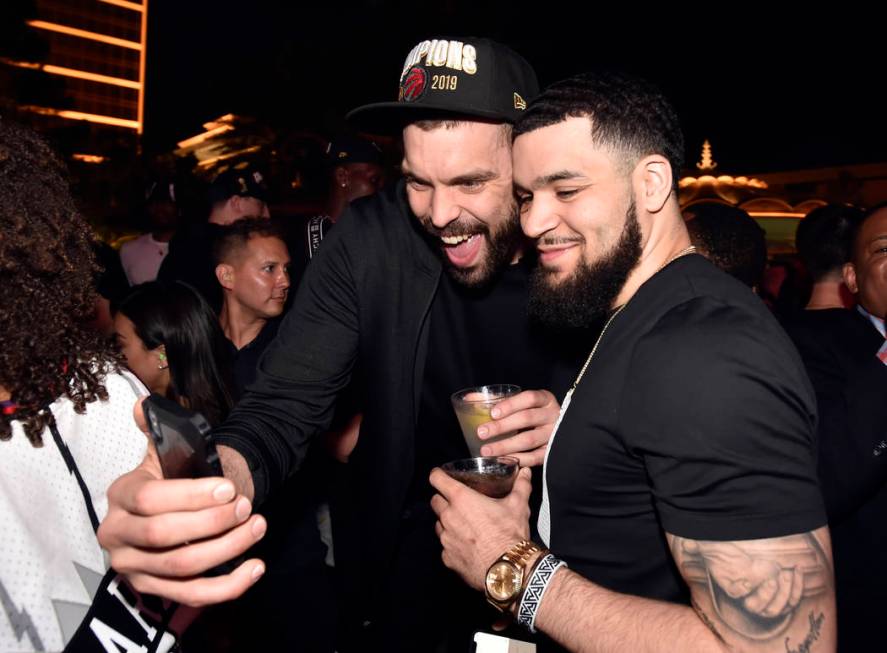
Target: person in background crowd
x=731, y=239
x=111, y=285
x=252, y=267
x=141, y=257
x=66, y=428
x=355, y=170
x=843, y=351
x=233, y=195
x=172, y=341
x=823, y=241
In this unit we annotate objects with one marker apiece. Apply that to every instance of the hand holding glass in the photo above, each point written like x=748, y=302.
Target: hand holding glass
x=473, y=406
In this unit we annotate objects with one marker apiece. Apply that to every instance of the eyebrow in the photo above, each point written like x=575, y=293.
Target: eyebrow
x=560, y=175
x=474, y=176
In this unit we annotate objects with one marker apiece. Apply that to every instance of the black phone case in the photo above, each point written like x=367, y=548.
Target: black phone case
x=182, y=438
x=184, y=445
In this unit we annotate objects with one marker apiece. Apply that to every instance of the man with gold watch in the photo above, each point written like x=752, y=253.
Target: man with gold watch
x=680, y=481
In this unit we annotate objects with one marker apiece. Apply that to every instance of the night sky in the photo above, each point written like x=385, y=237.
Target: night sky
x=770, y=96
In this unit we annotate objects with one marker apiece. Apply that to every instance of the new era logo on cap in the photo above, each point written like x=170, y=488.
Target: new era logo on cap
x=462, y=77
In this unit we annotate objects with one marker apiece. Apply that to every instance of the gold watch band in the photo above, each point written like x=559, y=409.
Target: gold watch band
x=518, y=555
x=518, y=552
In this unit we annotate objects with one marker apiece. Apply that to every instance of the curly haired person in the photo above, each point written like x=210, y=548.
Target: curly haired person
x=61, y=394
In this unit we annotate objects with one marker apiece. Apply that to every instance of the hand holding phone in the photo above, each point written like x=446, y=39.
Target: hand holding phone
x=182, y=438
x=185, y=448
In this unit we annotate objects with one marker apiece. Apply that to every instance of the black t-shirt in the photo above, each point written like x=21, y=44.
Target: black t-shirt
x=481, y=338
x=695, y=417
x=474, y=338
x=246, y=359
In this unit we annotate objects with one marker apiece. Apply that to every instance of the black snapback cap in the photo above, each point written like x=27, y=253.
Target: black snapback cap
x=472, y=77
x=246, y=182
x=352, y=150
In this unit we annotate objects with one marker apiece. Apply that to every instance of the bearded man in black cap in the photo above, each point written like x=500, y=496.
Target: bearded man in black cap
x=423, y=290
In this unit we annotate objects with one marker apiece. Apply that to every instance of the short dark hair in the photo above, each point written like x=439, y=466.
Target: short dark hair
x=627, y=114
x=232, y=238
x=824, y=238
x=731, y=239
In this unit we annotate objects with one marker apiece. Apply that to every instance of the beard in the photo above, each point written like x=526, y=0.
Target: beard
x=588, y=294
x=500, y=246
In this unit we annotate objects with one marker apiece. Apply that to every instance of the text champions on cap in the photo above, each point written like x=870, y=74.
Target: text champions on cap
x=444, y=54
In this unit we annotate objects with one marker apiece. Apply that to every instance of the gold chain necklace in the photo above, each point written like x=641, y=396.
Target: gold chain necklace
x=687, y=250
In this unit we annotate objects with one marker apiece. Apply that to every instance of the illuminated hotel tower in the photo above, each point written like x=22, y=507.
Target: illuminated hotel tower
x=98, y=48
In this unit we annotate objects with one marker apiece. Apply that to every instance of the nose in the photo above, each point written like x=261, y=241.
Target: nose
x=538, y=218
x=444, y=208
x=283, y=279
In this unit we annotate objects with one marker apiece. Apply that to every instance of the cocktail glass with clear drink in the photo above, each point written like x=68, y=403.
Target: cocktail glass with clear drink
x=473, y=406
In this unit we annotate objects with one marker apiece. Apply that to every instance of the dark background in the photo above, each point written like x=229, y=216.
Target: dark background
x=771, y=92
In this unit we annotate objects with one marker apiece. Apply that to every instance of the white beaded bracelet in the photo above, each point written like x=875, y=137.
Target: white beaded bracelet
x=536, y=586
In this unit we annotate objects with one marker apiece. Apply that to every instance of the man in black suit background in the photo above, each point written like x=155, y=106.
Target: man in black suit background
x=840, y=348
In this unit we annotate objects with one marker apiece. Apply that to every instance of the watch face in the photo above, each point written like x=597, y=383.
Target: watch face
x=503, y=581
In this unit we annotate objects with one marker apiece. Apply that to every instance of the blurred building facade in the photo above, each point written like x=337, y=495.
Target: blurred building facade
x=780, y=200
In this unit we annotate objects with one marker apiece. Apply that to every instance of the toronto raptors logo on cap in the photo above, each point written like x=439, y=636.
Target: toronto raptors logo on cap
x=414, y=84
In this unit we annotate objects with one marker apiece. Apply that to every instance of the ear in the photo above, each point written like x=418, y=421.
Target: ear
x=653, y=177
x=342, y=177
x=225, y=275
x=849, y=272
x=160, y=353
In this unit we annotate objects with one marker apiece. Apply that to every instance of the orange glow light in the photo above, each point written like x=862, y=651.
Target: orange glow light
x=222, y=157
x=200, y=138
x=92, y=77
x=90, y=117
x=82, y=33
x=775, y=214
x=89, y=158
x=126, y=5
x=142, y=59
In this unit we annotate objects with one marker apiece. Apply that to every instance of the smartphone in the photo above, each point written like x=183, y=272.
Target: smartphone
x=182, y=439
x=186, y=450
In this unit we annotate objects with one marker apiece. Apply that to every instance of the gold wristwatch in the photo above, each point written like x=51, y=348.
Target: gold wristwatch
x=506, y=577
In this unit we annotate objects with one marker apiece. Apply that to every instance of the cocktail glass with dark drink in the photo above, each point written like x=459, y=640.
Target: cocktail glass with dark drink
x=490, y=475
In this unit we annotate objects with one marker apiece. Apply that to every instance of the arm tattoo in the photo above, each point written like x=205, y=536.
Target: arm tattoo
x=707, y=621
x=757, y=587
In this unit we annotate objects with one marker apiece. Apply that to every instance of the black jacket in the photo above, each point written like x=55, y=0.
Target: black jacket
x=839, y=350
x=365, y=296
